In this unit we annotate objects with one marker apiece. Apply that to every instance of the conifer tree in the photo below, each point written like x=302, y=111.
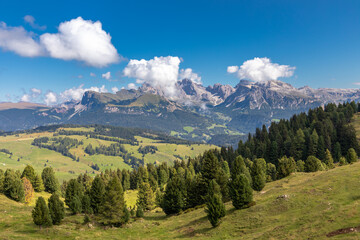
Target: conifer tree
x=270, y=172
x=210, y=167
x=342, y=161
x=1, y=181
x=172, y=201
x=38, y=184
x=351, y=156
x=73, y=196
x=286, y=166
x=40, y=214
x=113, y=207
x=240, y=191
x=215, y=208
x=56, y=209
x=300, y=166
x=86, y=205
x=50, y=182
x=337, y=152
x=313, y=164
x=29, y=173
x=139, y=212
x=97, y=192
x=13, y=186
x=145, y=198
x=258, y=173
x=313, y=143
x=125, y=180
x=239, y=167
x=328, y=159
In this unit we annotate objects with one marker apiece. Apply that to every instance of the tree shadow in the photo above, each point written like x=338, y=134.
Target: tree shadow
x=156, y=218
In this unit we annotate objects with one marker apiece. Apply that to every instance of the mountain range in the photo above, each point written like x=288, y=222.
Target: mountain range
x=218, y=114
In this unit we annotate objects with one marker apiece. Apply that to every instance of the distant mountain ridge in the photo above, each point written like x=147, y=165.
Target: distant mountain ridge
x=218, y=114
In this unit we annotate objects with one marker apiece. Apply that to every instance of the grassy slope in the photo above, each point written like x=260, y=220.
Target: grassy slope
x=22, y=149
x=318, y=203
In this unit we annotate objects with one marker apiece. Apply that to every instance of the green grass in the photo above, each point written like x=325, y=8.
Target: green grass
x=318, y=203
x=188, y=129
x=65, y=168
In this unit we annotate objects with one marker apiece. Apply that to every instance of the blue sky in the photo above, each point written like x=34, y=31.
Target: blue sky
x=320, y=38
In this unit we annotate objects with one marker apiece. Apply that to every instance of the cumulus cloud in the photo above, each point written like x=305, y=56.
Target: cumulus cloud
x=31, y=21
x=106, y=76
x=92, y=74
x=77, y=39
x=189, y=74
x=114, y=89
x=132, y=86
x=76, y=93
x=160, y=72
x=35, y=92
x=261, y=69
x=25, y=98
x=18, y=40
x=50, y=98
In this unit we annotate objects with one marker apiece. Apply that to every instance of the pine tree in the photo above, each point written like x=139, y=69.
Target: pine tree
x=342, y=161
x=139, y=212
x=313, y=143
x=112, y=208
x=270, y=172
x=29, y=173
x=210, y=167
x=300, y=166
x=38, y=184
x=125, y=180
x=172, y=201
x=40, y=213
x=328, y=159
x=240, y=191
x=28, y=190
x=56, y=209
x=145, y=198
x=97, y=192
x=50, y=182
x=215, y=208
x=239, y=167
x=258, y=173
x=351, y=156
x=75, y=204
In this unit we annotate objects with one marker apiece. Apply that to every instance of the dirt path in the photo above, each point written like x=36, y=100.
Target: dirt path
x=344, y=231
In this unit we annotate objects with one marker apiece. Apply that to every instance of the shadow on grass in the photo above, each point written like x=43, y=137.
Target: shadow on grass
x=156, y=218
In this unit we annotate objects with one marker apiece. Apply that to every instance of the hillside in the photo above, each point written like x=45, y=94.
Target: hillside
x=315, y=205
x=165, y=149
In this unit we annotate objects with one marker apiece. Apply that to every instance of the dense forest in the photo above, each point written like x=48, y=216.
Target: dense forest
x=311, y=142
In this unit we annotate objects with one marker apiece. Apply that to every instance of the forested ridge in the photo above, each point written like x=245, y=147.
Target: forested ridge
x=316, y=141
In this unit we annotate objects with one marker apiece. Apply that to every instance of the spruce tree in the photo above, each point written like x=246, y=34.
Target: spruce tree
x=86, y=205
x=239, y=167
x=210, y=166
x=270, y=172
x=73, y=196
x=50, y=182
x=351, y=156
x=38, y=184
x=312, y=164
x=145, y=198
x=286, y=166
x=215, y=208
x=56, y=209
x=112, y=208
x=29, y=173
x=97, y=192
x=172, y=201
x=13, y=186
x=139, y=212
x=125, y=180
x=40, y=214
x=337, y=152
x=258, y=173
x=328, y=159
x=240, y=191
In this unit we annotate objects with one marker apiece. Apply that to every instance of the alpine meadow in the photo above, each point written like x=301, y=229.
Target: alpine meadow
x=180, y=120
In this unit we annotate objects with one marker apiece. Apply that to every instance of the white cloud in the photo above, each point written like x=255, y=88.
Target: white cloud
x=76, y=93
x=189, y=74
x=18, y=40
x=160, y=72
x=81, y=40
x=26, y=98
x=92, y=74
x=232, y=69
x=50, y=98
x=36, y=91
x=107, y=75
x=132, y=86
x=261, y=69
x=80, y=76
x=114, y=89
x=31, y=21
x=77, y=39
